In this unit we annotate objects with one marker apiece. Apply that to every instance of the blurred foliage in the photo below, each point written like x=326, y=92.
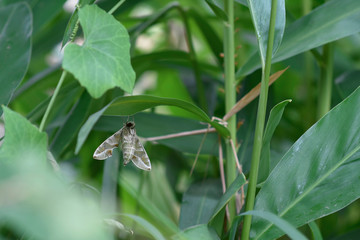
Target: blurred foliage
x=51, y=188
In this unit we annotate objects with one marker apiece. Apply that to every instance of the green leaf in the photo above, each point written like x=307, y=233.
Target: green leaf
x=22, y=140
x=201, y=231
x=347, y=82
x=331, y=21
x=286, y=227
x=260, y=12
x=15, y=47
x=318, y=175
x=315, y=231
x=148, y=206
x=43, y=11
x=199, y=203
x=103, y=61
x=147, y=226
x=129, y=105
x=274, y=118
x=71, y=125
x=153, y=125
x=220, y=13
x=73, y=22
x=234, y=187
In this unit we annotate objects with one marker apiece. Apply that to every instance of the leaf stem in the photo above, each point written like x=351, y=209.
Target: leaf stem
x=260, y=122
x=113, y=9
x=230, y=97
x=326, y=79
x=56, y=92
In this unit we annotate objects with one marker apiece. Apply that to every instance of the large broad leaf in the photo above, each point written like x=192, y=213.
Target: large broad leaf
x=15, y=47
x=329, y=22
x=199, y=203
x=260, y=12
x=318, y=175
x=22, y=139
x=42, y=10
x=103, y=61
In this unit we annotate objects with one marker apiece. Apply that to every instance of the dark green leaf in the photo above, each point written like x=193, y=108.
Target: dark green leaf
x=234, y=187
x=347, y=82
x=318, y=175
x=274, y=118
x=71, y=125
x=220, y=13
x=42, y=10
x=22, y=140
x=199, y=203
x=286, y=227
x=129, y=105
x=260, y=11
x=153, y=125
x=15, y=47
x=103, y=61
x=331, y=21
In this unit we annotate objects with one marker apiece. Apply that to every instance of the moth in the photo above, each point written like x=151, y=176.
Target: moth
x=131, y=147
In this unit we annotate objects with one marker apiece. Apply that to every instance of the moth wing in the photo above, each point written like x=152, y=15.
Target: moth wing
x=105, y=149
x=140, y=157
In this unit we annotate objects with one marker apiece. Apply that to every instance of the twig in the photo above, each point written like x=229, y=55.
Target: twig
x=181, y=134
x=241, y=203
x=199, y=150
x=222, y=176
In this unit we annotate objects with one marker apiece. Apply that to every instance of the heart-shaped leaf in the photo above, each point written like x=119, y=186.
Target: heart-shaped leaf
x=103, y=61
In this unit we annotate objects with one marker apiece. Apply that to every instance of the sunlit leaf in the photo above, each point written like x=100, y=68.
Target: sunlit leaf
x=201, y=231
x=103, y=61
x=319, y=173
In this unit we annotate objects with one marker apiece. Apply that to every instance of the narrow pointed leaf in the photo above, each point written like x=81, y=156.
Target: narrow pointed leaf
x=103, y=61
x=234, y=187
x=15, y=47
x=319, y=174
x=147, y=226
x=274, y=119
x=260, y=12
x=331, y=21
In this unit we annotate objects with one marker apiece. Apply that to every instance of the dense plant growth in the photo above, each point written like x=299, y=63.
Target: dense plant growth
x=248, y=111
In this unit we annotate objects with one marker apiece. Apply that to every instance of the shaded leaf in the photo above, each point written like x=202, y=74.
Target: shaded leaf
x=103, y=61
x=129, y=105
x=220, y=13
x=72, y=124
x=316, y=233
x=274, y=118
x=331, y=21
x=15, y=47
x=318, y=175
x=232, y=189
x=260, y=12
x=199, y=203
x=146, y=225
x=347, y=82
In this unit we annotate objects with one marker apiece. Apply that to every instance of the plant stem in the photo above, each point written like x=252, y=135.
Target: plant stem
x=260, y=122
x=326, y=78
x=230, y=97
x=57, y=89
x=113, y=9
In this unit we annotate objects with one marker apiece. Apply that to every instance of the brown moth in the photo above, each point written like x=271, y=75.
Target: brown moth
x=131, y=147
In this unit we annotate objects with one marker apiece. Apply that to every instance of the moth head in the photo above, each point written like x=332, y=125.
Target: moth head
x=130, y=125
